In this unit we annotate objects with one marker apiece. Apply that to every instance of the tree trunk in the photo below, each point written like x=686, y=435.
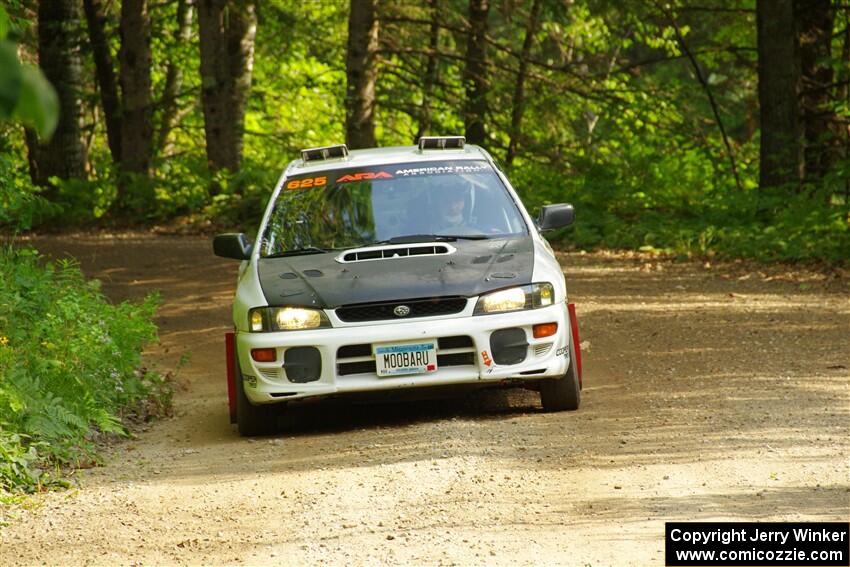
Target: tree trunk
x=815, y=19
x=475, y=73
x=361, y=73
x=519, y=88
x=135, y=57
x=845, y=96
x=64, y=155
x=227, y=32
x=430, y=78
x=173, y=79
x=781, y=151
x=105, y=75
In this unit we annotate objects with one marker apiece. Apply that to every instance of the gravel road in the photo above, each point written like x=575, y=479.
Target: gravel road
x=710, y=393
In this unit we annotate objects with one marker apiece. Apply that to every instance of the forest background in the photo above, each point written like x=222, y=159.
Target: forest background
x=696, y=127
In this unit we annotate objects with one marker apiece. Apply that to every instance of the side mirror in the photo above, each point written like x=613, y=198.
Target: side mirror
x=555, y=216
x=232, y=245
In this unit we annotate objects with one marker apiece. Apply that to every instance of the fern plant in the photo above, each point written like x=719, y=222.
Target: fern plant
x=69, y=363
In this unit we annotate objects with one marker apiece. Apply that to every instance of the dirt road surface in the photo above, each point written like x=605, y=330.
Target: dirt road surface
x=710, y=394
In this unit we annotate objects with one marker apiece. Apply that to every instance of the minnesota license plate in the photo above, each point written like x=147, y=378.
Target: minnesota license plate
x=398, y=359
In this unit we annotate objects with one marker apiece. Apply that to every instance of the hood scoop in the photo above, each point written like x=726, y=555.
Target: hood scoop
x=390, y=252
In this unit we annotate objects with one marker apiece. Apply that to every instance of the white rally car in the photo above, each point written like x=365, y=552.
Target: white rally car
x=397, y=268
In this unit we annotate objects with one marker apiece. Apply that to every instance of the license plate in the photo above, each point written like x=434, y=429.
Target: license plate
x=398, y=359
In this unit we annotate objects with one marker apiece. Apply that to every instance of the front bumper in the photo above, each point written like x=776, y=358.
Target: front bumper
x=464, y=351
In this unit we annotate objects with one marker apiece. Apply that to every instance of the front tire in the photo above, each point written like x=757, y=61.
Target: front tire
x=253, y=420
x=564, y=393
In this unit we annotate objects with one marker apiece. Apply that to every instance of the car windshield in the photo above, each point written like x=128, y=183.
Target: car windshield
x=348, y=208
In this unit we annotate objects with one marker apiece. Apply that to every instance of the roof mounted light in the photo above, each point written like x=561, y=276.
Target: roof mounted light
x=441, y=142
x=325, y=152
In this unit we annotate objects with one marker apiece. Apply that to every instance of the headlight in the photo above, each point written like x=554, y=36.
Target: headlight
x=286, y=319
x=515, y=298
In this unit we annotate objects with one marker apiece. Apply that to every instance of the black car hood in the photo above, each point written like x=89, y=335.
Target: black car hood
x=319, y=280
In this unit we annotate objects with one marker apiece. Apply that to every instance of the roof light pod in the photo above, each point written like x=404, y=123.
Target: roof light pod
x=325, y=152
x=441, y=142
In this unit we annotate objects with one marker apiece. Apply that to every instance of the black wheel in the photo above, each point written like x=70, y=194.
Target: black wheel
x=253, y=420
x=564, y=393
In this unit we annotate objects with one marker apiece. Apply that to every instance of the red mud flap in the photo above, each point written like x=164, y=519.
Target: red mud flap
x=571, y=307
x=230, y=349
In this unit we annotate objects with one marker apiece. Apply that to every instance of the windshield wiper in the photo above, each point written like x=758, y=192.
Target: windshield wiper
x=299, y=252
x=462, y=237
x=413, y=238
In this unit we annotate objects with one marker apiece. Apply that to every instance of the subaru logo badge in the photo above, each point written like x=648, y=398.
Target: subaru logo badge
x=402, y=311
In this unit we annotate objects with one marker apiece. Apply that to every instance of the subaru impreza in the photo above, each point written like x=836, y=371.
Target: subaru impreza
x=397, y=268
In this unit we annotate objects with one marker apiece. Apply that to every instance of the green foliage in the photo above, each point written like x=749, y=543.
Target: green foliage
x=242, y=195
x=656, y=214
x=17, y=463
x=69, y=366
x=21, y=205
x=614, y=121
x=25, y=94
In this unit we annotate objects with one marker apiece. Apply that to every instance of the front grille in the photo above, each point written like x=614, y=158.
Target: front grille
x=458, y=341
x=351, y=351
x=428, y=307
x=346, y=364
x=362, y=367
x=456, y=359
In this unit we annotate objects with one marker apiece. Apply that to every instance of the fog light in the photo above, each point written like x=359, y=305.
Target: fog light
x=509, y=346
x=545, y=330
x=302, y=364
x=264, y=354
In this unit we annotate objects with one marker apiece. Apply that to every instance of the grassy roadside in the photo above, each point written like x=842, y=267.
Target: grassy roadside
x=69, y=370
